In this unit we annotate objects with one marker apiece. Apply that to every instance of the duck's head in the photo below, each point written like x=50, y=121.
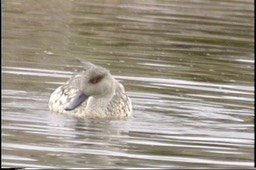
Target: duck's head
x=95, y=81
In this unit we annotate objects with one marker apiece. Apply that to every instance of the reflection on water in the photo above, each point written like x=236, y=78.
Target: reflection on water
x=187, y=65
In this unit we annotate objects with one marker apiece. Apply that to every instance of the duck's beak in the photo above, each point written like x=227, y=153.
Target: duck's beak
x=76, y=101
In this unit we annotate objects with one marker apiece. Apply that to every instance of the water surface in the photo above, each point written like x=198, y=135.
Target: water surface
x=188, y=67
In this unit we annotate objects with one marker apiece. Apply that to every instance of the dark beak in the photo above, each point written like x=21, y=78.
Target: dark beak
x=76, y=101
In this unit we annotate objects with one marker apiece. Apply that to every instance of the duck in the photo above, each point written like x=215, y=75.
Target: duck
x=92, y=93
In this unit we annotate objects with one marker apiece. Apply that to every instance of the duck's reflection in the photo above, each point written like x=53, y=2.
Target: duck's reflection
x=96, y=143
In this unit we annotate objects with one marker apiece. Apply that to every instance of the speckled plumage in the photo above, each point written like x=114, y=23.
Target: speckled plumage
x=111, y=100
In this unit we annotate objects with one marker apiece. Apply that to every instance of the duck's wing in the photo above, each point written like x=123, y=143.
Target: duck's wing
x=64, y=97
x=120, y=106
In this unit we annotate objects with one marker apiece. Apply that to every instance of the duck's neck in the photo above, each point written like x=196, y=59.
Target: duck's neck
x=97, y=105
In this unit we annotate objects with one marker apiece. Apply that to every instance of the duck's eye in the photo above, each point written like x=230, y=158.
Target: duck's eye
x=96, y=79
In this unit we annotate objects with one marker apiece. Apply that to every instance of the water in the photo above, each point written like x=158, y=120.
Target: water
x=188, y=67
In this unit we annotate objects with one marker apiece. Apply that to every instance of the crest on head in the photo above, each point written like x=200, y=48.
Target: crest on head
x=85, y=64
x=88, y=65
